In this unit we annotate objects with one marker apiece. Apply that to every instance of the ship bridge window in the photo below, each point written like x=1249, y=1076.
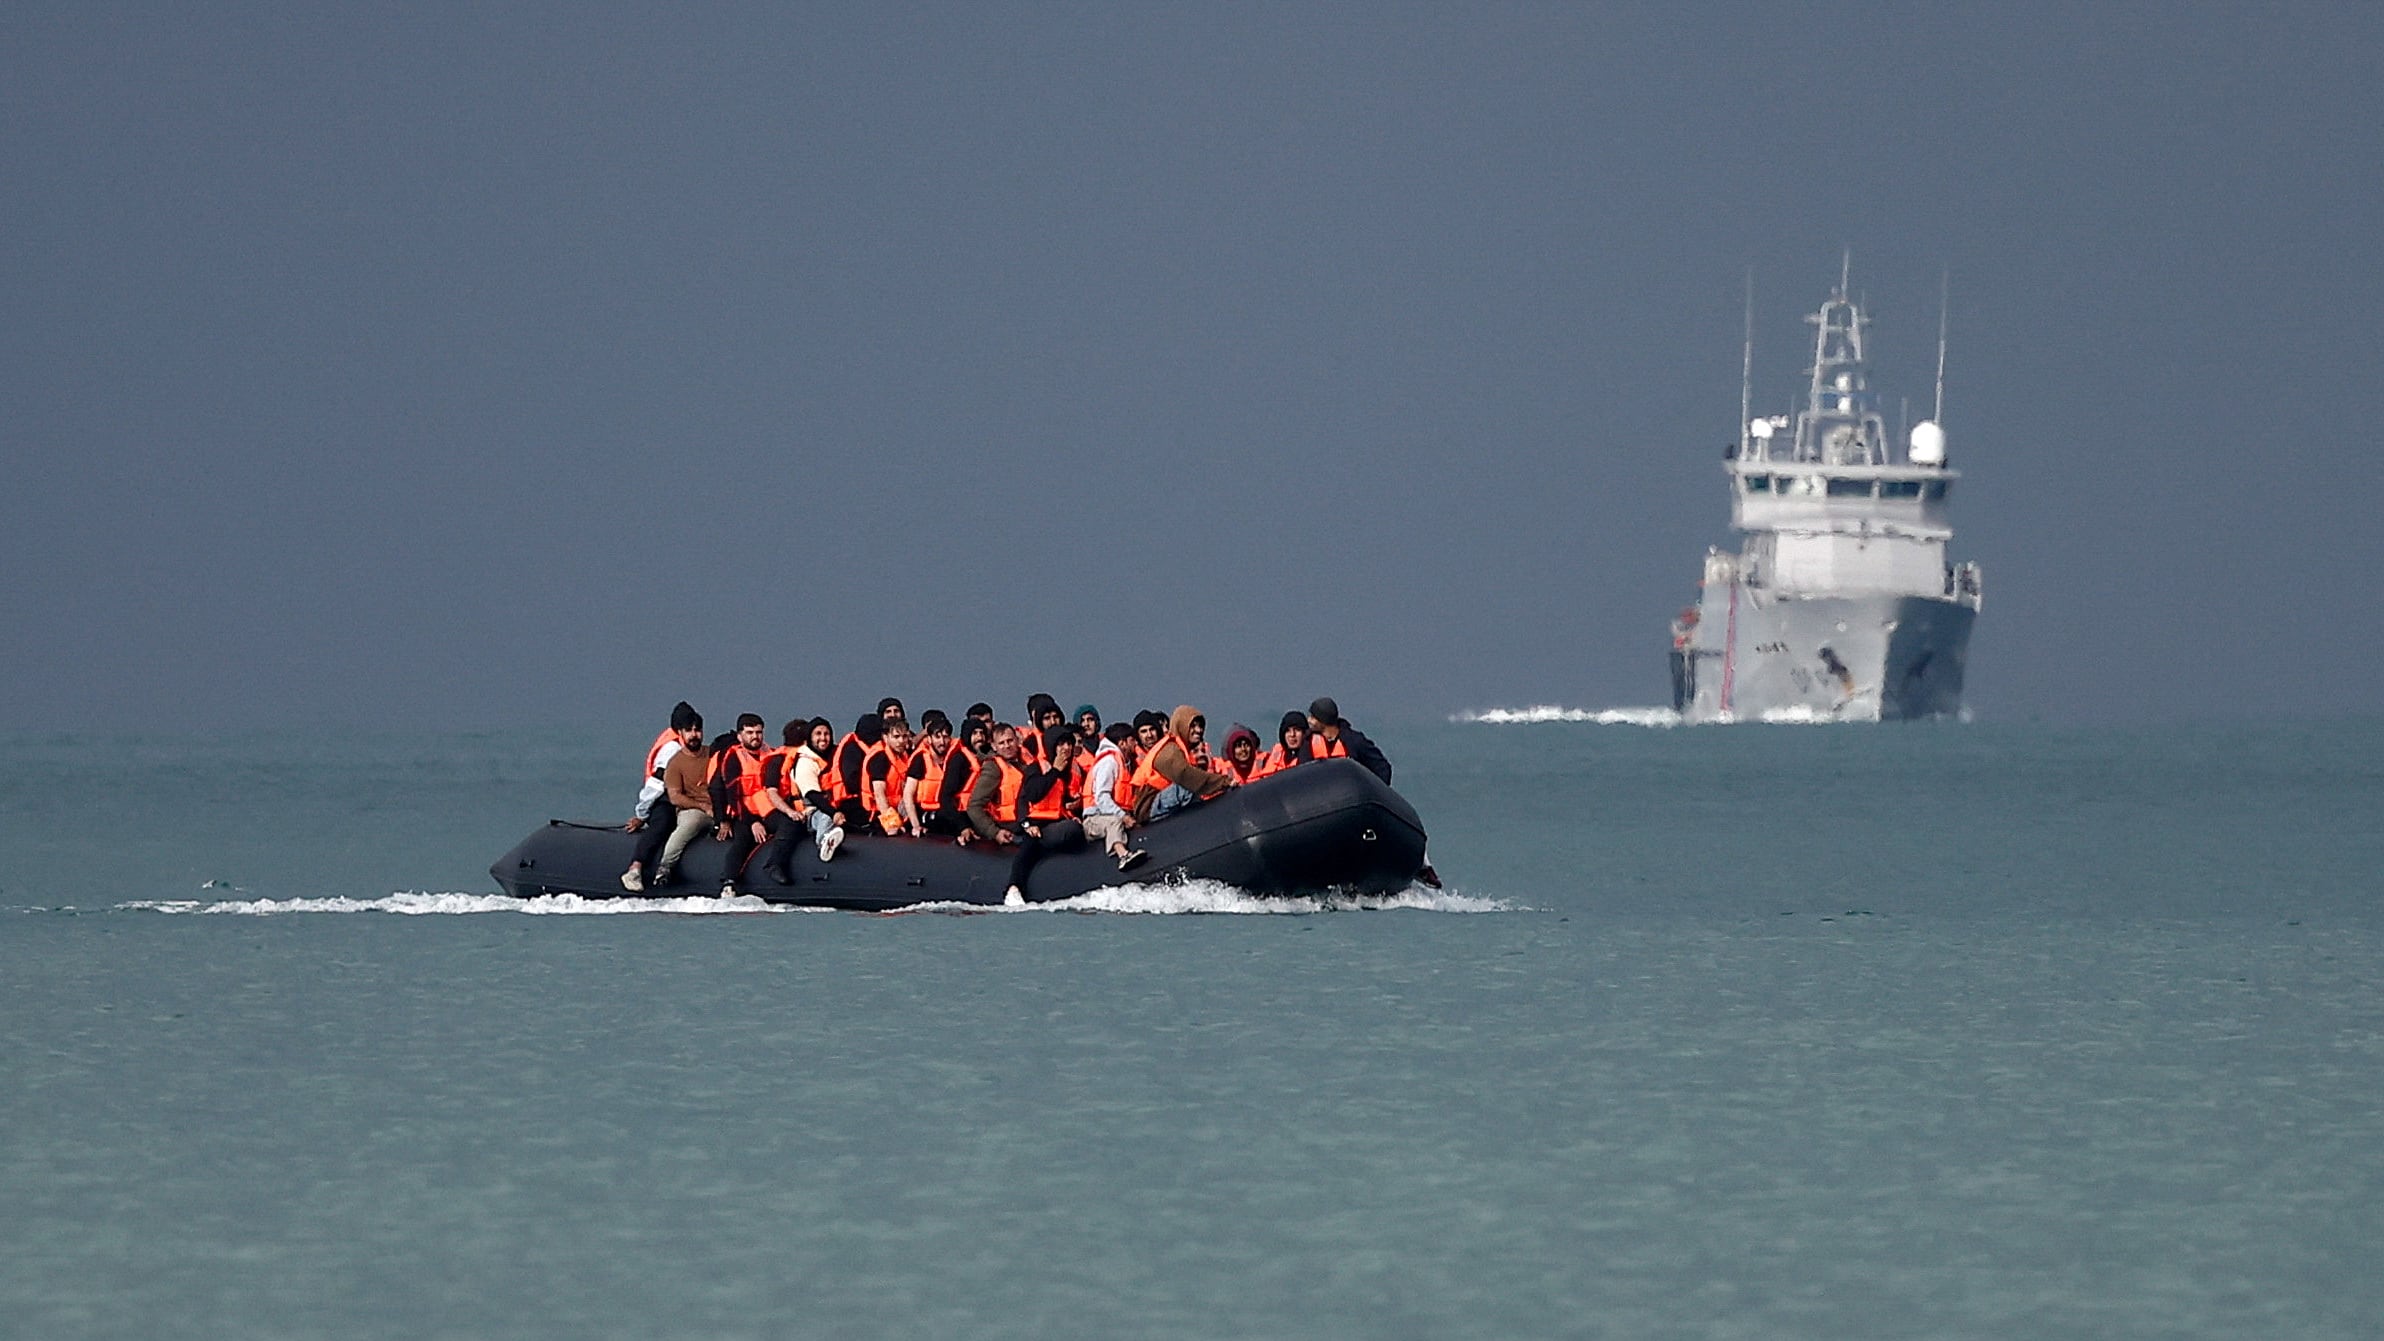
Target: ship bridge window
x=1758, y=484
x=1849, y=488
x=1899, y=488
x=1935, y=491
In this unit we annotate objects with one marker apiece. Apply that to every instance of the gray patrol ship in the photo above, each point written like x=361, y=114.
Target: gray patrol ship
x=1841, y=605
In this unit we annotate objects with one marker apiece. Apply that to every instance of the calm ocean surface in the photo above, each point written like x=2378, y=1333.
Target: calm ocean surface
x=1925, y=1031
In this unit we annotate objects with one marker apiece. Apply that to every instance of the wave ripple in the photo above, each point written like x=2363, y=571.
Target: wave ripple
x=1194, y=896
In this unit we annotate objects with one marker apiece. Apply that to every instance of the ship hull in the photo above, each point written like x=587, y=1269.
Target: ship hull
x=1759, y=654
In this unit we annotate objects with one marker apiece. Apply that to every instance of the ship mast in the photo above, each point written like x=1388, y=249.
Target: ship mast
x=1840, y=425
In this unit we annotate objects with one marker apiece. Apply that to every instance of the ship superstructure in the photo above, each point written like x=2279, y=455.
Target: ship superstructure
x=1842, y=602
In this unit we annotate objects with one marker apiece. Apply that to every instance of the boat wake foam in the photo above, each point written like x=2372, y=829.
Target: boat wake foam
x=423, y=904
x=1794, y=715
x=1193, y=896
x=1549, y=712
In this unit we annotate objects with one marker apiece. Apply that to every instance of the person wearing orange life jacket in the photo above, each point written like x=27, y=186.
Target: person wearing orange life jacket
x=1240, y=760
x=1049, y=800
x=741, y=798
x=655, y=817
x=1337, y=739
x=1087, y=722
x=848, y=772
x=994, y=810
x=1332, y=737
x=1107, y=799
x=811, y=769
x=794, y=816
x=1166, y=780
x=1042, y=714
x=1196, y=741
x=921, y=798
x=686, y=781
x=1291, y=746
x=963, y=766
x=884, y=776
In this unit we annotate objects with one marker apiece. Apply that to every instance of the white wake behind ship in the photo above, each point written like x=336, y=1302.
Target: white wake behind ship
x=1842, y=602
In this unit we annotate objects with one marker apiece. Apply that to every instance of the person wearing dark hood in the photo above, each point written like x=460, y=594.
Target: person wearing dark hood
x=848, y=773
x=1042, y=714
x=1332, y=737
x=1196, y=743
x=1048, y=807
x=1166, y=780
x=1335, y=738
x=1291, y=746
x=1087, y=722
x=1240, y=760
x=889, y=710
x=963, y=766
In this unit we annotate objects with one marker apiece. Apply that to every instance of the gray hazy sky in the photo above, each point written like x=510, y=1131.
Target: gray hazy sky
x=547, y=363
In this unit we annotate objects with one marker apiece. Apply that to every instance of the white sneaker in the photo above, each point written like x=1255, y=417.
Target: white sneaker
x=632, y=881
x=1127, y=861
x=1016, y=898
x=830, y=841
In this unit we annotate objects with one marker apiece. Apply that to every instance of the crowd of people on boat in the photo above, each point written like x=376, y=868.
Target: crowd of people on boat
x=1055, y=783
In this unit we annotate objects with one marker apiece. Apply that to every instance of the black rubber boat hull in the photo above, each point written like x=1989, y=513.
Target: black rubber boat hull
x=1324, y=827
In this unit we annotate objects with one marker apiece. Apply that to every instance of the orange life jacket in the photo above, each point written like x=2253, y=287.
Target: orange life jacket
x=1229, y=768
x=1150, y=779
x=1320, y=748
x=655, y=750
x=1005, y=799
x=896, y=766
x=745, y=784
x=782, y=778
x=1122, y=792
x=1057, y=802
x=932, y=766
x=1030, y=747
x=964, y=761
x=841, y=788
x=1275, y=761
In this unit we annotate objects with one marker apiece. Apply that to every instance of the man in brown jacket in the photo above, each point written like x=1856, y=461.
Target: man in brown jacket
x=1167, y=780
x=685, y=783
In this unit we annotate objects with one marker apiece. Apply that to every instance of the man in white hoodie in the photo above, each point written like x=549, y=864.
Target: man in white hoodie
x=1105, y=821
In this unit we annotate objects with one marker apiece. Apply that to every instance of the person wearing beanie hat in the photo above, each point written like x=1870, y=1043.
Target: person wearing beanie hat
x=1088, y=721
x=1332, y=737
x=686, y=732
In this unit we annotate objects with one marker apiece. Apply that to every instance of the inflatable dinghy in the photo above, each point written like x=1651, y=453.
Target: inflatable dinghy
x=1322, y=827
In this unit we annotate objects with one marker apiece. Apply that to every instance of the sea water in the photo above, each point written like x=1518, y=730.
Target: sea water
x=1956, y=1030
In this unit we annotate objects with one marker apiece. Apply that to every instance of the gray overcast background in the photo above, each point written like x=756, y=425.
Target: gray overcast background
x=541, y=364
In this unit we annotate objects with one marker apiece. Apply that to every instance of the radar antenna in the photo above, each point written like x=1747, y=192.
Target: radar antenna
x=1944, y=296
x=1746, y=372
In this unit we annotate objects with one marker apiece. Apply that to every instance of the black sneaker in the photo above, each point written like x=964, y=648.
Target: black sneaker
x=1132, y=859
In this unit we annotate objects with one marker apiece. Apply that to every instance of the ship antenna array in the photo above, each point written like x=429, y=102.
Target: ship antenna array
x=1746, y=370
x=1944, y=294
